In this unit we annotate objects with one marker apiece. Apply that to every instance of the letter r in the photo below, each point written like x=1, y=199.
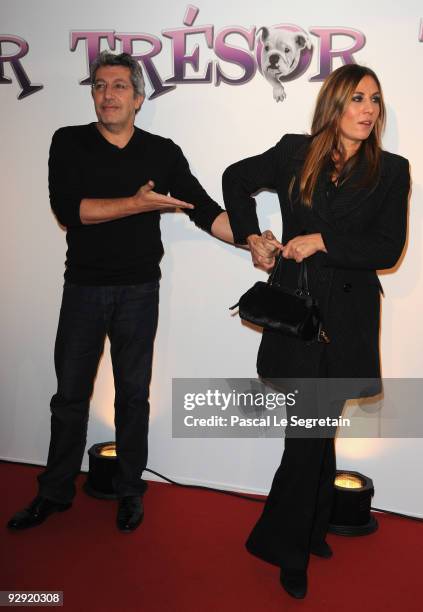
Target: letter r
x=14, y=61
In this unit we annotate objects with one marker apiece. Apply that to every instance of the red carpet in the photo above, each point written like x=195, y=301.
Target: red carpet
x=189, y=556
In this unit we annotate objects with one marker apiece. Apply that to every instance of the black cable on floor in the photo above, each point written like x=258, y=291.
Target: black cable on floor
x=204, y=488
x=261, y=499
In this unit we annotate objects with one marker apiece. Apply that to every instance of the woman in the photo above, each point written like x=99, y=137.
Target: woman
x=344, y=210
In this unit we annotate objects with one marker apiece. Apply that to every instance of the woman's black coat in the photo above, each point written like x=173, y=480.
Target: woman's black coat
x=363, y=230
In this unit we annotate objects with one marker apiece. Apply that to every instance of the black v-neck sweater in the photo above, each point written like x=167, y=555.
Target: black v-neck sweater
x=83, y=164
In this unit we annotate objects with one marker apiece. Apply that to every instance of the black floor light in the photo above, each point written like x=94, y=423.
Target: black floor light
x=102, y=469
x=352, y=502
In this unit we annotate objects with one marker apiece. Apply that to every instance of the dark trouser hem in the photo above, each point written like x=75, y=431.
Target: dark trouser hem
x=46, y=494
x=268, y=557
x=289, y=555
x=122, y=491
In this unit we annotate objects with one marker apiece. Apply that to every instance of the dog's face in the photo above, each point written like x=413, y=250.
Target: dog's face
x=281, y=51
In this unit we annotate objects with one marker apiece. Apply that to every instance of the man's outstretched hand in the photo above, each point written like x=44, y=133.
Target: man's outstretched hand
x=146, y=200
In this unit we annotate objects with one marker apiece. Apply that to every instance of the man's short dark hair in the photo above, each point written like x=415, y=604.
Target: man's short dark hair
x=105, y=58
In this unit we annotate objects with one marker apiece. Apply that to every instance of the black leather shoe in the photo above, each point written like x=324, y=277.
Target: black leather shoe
x=36, y=513
x=294, y=582
x=130, y=513
x=322, y=550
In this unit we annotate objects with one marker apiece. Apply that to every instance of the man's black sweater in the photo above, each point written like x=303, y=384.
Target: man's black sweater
x=83, y=164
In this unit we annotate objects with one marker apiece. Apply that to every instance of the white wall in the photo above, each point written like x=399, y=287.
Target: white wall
x=201, y=277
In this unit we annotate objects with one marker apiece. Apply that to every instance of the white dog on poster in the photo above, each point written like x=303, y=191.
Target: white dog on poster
x=280, y=55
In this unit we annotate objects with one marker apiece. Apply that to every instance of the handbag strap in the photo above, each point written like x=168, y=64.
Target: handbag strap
x=303, y=279
x=272, y=278
x=302, y=283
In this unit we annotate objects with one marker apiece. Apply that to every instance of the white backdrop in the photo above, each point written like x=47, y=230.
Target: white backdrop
x=201, y=276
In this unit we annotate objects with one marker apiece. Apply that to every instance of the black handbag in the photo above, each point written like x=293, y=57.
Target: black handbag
x=292, y=312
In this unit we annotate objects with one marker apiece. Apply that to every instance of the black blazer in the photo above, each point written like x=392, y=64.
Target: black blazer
x=363, y=230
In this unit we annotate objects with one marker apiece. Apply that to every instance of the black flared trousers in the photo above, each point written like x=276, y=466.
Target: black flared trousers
x=298, y=509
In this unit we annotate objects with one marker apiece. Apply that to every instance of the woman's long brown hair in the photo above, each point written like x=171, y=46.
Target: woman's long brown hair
x=334, y=97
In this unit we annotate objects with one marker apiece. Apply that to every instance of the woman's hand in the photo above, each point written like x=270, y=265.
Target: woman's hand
x=264, y=249
x=301, y=247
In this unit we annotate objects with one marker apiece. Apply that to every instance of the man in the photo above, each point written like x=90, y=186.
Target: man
x=108, y=183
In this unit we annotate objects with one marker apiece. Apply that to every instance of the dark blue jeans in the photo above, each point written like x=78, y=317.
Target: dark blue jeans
x=128, y=315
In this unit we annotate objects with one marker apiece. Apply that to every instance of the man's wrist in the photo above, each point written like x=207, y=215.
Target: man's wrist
x=133, y=204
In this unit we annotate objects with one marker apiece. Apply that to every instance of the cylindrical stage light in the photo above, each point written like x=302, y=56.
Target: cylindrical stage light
x=352, y=502
x=102, y=469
